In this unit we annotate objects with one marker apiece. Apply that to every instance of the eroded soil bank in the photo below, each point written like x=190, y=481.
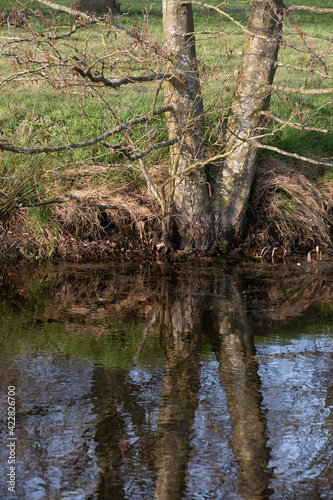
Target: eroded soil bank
x=288, y=212
x=19, y=242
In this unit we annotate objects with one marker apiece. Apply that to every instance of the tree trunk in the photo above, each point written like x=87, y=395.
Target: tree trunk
x=233, y=180
x=96, y=6
x=189, y=198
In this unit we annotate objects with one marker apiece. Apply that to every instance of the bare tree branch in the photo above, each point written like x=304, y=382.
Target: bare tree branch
x=200, y=164
x=15, y=76
x=297, y=126
x=4, y=146
x=228, y=16
x=149, y=181
x=301, y=90
x=309, y=35
x=310, y=8
x=122, y=81
x=97, y=205
x=295, y=155
x=91, y=19
x=307, y=70
x=154, y=147
x=63, y=8
x=60, y=201
x=143, y=168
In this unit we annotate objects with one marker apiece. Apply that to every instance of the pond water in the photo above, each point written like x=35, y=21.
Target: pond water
x=153, y=381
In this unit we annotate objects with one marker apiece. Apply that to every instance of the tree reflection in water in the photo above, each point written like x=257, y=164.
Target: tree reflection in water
x=239, y=376
x=218, y=312
x=177, y=403
x=182, y=326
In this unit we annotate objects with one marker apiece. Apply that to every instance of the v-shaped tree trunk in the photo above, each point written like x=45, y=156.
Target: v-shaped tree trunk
x=201, y=220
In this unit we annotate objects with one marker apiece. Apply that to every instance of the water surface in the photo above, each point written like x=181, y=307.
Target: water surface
x=169, y=382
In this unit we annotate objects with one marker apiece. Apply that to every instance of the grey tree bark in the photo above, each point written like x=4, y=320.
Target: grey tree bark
x=188, y=197
x=232, y=180
x=201, y=220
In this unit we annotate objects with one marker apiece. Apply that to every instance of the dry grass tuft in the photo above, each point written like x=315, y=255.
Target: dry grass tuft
x=290, y=209
x=134, y=213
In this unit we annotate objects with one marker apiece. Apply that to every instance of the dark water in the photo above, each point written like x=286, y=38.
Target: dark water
x=170, y=382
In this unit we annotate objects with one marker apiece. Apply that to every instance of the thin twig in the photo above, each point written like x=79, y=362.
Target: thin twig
x=154, y=147
x=295, y=155
x=297, y=126
x=310, y=8
x=301, y=90
x=60, y=201
x=307, y=70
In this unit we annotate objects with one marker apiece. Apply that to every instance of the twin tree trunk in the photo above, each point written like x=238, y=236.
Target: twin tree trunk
x=204, y=215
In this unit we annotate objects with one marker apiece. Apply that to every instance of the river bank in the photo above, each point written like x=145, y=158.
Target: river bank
x=290, y=211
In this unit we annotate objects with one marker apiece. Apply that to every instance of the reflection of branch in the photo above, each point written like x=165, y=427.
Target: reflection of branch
x=90, y=142
x=310, y=289
x=295, y=155
x=122, y=81
x=145, y=335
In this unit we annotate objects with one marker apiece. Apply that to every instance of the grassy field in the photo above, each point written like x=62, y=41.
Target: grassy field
x=58, y=108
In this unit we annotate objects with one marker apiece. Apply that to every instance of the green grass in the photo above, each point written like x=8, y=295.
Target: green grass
x=33, y=114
